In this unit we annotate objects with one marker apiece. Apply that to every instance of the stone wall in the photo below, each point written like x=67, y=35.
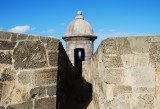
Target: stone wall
x=125, y=73
x=32, y=72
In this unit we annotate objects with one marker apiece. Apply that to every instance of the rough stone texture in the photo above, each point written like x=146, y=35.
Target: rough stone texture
x=29, y=54
x=33, y=37
x=53, y=58
x=157, y=89
x=14, y=37
x=112, y=61
x=26, y=78
x=7, y=45
x=155, y=54
x=46, y=77
x=2, y=107
x=52, y=44
x=51, y=90
x=8, y=75
x=113, y=76
x=14, y=93
x=22, y=36
x=5, y=58
x=38, y=92
x=124, y=73
x=122, y=89
x=1, y=86
x=25, y=105
x=5, y=35
x=46, y=103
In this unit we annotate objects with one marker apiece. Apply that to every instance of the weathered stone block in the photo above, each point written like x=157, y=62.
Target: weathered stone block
x=122, y=89
x=46, y=103
x=53, y=58
x=38, y=92
x=29, y=54
x=14, y=93
x=146, y=101
x=7, y=45
x=154, y=39
x=44, y=39
x=33, y=37
x=139, y=44
x=5, y=35
x=51, y=90
x=112, y=61
x=26, y=78
x=113, y=76
x=22, y=36
x=157, y=89
x=109, y=46
x=1, y=107
x=143, y=90
x=124, y=101
x=5, y=58
x=6, y=91
x=25, y=105
x=46, y=76
x=1, y=86
x=140, y=76
x=154, y=53
x=14, y=37
x=135, y=60
x=123, y=46
x=52, y=44
x=8, y=75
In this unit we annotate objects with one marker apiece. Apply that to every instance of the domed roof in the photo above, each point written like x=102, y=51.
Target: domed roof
x=79, y=27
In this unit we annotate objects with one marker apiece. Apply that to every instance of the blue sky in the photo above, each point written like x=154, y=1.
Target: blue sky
x=108, y=18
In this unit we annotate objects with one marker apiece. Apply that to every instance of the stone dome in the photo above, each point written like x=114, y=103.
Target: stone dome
x=79, y=27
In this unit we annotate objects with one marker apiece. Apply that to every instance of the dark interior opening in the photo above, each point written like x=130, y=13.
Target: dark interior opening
x=79, y=56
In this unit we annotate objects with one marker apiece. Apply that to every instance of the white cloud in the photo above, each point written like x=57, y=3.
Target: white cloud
x=49, y=31
x=1, y=28
x=21, y=29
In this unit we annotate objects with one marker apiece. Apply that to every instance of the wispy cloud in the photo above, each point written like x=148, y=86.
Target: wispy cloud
x=1, y=28
x=49, y=31
x=21, y=29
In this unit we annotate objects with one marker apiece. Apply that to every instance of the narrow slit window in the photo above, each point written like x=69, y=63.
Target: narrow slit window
x=79, y=54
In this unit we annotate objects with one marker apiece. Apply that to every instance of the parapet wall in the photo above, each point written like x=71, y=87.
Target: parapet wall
x=125, y=73
x=32, y=72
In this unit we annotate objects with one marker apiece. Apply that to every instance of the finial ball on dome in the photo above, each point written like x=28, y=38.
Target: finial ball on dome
x=79, y=12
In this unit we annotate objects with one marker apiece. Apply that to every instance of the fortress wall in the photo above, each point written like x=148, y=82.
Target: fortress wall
x=30, y=74
x=125, y=73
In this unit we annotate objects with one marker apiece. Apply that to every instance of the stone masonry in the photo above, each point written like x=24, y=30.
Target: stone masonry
x=32, y=73
x=125, y=73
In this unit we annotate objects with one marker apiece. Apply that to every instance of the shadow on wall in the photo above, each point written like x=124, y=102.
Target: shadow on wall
x=73, y=91
x=81, y=94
